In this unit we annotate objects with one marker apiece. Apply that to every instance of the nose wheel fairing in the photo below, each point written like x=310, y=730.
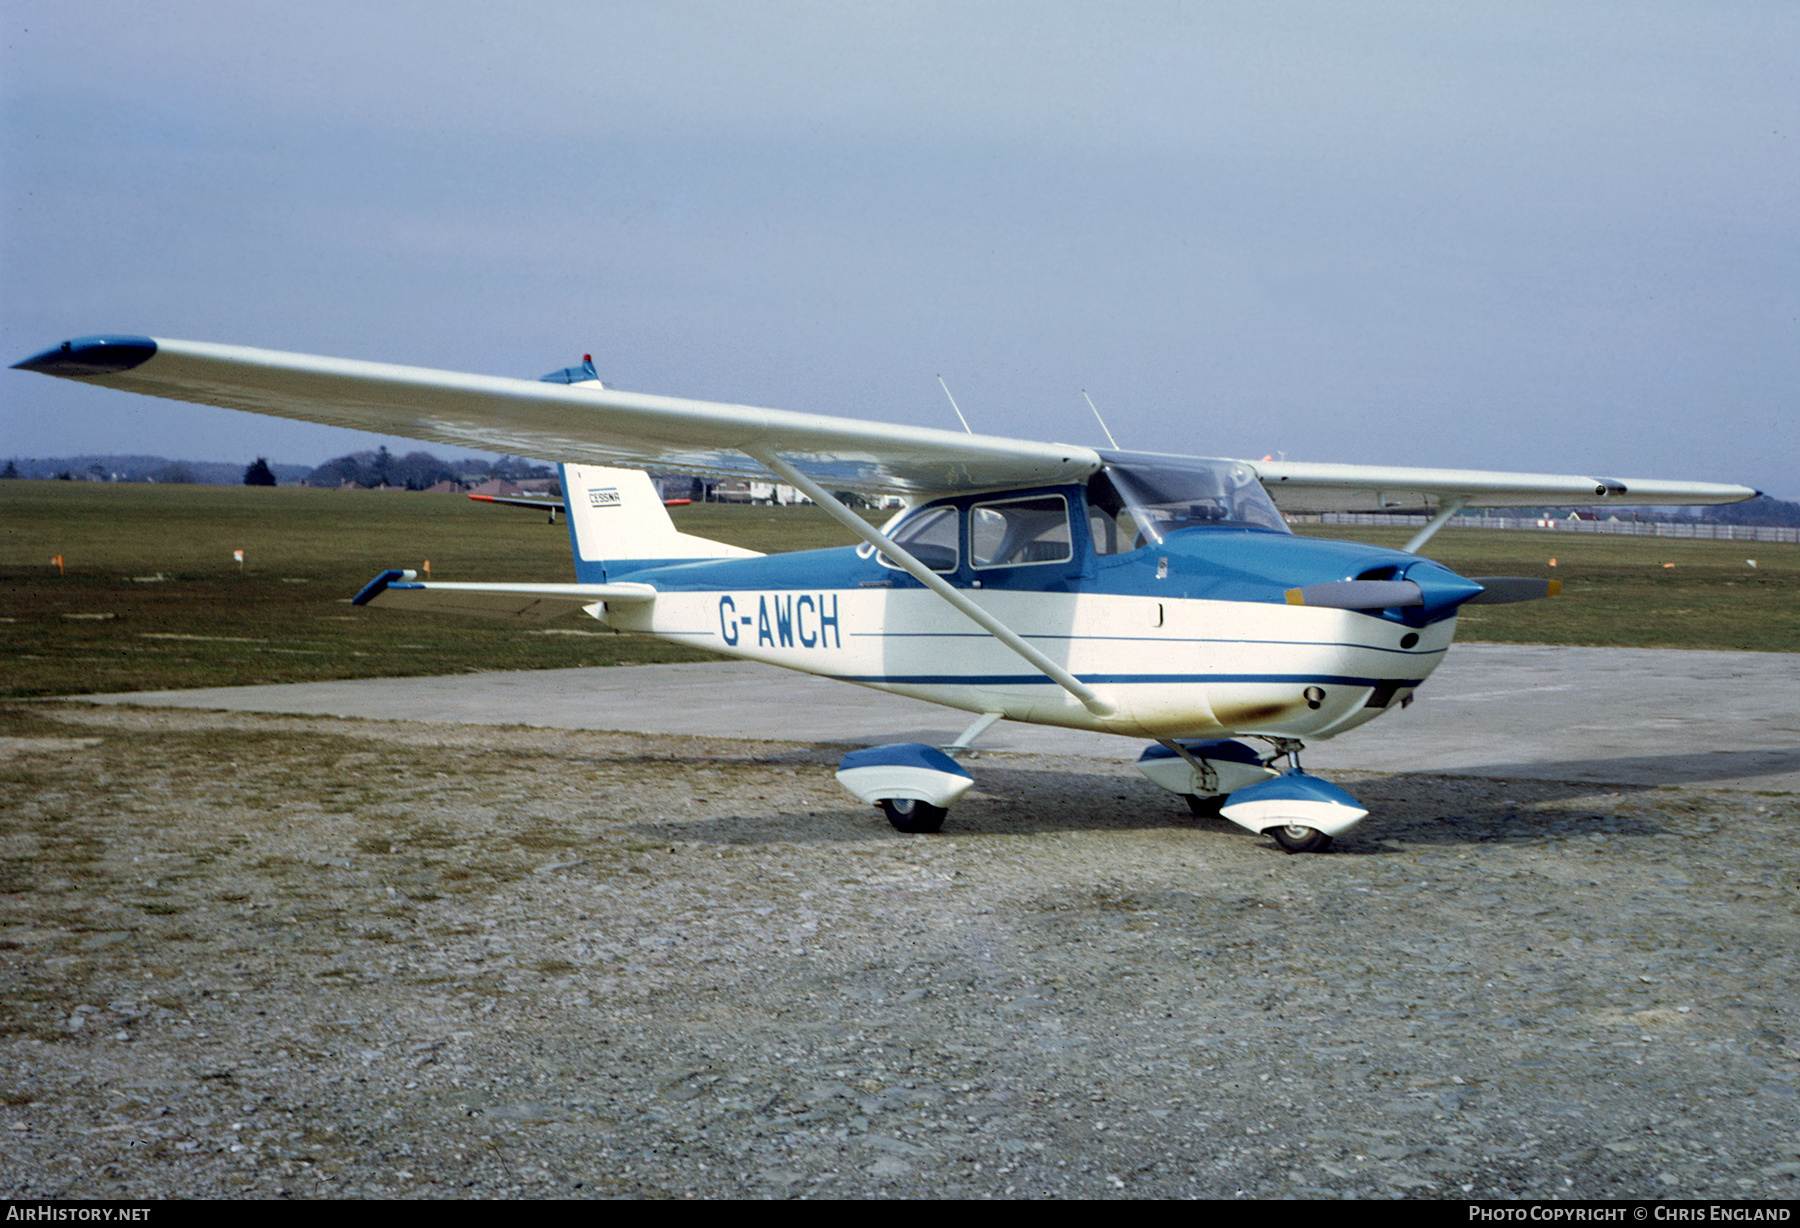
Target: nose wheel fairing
x=1234, y=780
x=904, y=771
x=1294, y=802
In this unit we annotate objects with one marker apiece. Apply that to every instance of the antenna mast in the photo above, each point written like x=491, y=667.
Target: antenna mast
x=955, y=406
x=1100, y=420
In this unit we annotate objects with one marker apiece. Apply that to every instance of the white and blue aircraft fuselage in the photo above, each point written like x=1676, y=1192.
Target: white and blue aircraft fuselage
x=1153, y=596
x=1191, y=637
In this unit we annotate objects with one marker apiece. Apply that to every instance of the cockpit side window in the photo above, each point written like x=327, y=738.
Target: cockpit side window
x=931, y=536
x=1110, y=524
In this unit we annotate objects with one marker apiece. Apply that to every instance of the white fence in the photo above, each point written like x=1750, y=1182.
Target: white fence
x=1630, y=528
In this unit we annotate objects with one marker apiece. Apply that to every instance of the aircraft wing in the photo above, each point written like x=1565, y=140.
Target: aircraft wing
x=587, y=422
x=1302, y=487
x=580, y=423
x=531, y=603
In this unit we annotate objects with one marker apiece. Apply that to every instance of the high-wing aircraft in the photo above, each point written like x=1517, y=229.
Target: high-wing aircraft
x=1160, y=597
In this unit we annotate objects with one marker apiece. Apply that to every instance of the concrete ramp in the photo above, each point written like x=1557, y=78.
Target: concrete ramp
x=1605, y=715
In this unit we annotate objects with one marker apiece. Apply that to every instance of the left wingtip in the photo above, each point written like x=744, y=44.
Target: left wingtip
x=85, y=357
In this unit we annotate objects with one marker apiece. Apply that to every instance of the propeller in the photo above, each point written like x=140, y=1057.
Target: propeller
x=1389, y=594
x=1358, y=594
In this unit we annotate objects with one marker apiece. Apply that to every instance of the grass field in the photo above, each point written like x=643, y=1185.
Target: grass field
x=153, y=599
x=1622, y=591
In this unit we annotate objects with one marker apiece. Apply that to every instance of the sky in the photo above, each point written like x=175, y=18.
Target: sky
x=1542, y=237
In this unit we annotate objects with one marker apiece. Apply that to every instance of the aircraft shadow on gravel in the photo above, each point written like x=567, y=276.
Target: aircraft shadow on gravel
x=1416, y=810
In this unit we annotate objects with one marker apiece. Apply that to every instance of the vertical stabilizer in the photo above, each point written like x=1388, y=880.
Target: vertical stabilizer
x=618, y=524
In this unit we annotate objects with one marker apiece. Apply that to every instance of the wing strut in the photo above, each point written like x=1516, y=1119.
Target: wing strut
x=1451, y=505
x=930, y=579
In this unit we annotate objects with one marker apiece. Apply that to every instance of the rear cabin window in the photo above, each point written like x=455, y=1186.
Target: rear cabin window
x=1020, y=532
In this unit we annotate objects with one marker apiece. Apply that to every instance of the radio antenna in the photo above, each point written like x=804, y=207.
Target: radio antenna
x=1100, y=420
x=955, y=406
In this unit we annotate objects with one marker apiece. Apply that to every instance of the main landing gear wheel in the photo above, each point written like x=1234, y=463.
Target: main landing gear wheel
x=1298, y=839
x=911, y=815
x=1206, y=807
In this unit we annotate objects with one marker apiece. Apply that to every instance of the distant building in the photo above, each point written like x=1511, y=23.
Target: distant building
x=738, y=490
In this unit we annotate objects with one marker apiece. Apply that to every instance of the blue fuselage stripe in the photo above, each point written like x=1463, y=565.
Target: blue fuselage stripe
x=1146, y=639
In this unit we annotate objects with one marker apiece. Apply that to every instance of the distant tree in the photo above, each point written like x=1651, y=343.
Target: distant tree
x=176, y=474
x=1760, y=510
x=418, y=470
x=343, y=469
x=414, y=471
x=259, y=474
x=518, y=468
x=11, y=470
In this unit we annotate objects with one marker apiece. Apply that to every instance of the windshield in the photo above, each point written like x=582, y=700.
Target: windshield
x=1152, y=496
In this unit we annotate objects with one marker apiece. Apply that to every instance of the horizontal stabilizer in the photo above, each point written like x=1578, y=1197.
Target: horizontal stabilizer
x=540, y=503
x=532, y=603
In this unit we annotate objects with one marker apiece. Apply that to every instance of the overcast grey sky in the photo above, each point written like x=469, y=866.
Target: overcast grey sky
x=1523, y=236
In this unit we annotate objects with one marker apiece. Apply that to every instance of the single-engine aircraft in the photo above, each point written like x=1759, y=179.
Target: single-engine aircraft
x=1156, y=596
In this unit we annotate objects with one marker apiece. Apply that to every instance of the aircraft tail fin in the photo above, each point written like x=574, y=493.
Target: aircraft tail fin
x=618, y=524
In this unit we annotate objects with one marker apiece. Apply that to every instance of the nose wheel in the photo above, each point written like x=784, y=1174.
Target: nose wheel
x=1298, y=839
